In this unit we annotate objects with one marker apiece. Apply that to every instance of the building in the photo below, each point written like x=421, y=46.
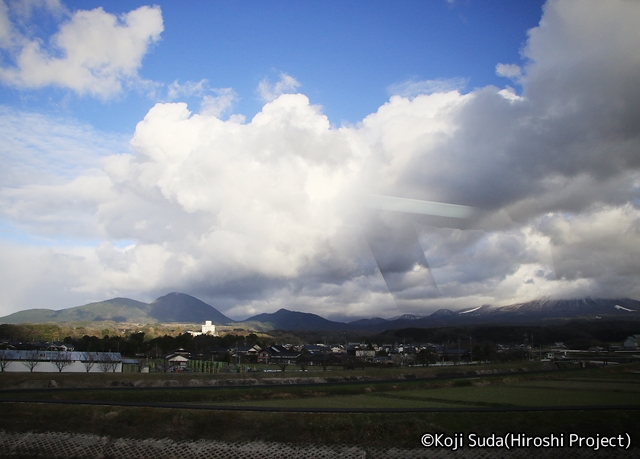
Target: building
x=278, y=354
x=207, y=329
x=632, y=342
x=39, y=361
x=178, y=360
x=244, y=354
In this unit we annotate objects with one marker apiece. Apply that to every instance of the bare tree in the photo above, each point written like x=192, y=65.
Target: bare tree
x=284, y=364
x=349, y=363
x=303, y=360
x=4, y=359
x=32, y=360
x=107, y=362
x=89, y=360
x=163, y=365
x=61, y=360
x=327, y=359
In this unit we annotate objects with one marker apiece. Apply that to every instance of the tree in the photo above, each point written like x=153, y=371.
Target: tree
x=4, y=359
x=326, y=360
x=107, y=362
x=32, y=360
x=284, y=364
x=426, y=357
x=88, y=360
x=303, y=360
x=62, y=360
x=163, y=365
x=348, y=363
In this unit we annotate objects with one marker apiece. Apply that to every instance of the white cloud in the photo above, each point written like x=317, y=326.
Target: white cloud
x=5, y=26
x=269, y=92
x=24, y=9
x=412, y=88
x=40, y=150
x=214, y=101
x=93, y=52
x=219, y=103
x=512, y=71
x=266, y=214
x=188, y=88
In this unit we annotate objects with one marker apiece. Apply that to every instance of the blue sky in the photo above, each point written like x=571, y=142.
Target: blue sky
x=345, y=55
x=261, y=155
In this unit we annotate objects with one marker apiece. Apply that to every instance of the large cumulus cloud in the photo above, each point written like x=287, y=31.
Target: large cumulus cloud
x=271, y=213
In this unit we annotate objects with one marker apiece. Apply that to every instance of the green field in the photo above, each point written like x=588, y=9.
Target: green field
x=613, y=386
x=616, y=386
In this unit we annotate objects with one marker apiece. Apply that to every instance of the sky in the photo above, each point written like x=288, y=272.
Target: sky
x=350, y=159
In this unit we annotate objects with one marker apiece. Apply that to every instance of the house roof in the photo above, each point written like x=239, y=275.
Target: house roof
x=280, y=351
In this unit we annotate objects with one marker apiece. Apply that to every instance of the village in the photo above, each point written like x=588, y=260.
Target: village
x=200, y=354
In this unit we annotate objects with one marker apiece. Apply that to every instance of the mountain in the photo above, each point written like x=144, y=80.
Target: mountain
x=116, y=309
x=174, y=307
x=366, y=323
x=533, y=311
x=443, y=313
x=406, y=317
x=29, y=316
x=620, y=307
x=283, y=319
x=180, y=307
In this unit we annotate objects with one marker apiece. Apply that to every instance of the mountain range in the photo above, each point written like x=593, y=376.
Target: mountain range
x=172, y=308
x=182, y=308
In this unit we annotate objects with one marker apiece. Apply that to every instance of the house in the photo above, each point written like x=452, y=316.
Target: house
x=245, y=353
x=177, y=362
x=452, y=353
x=219, y=353
x=361, y=352
x=632, y=342
x=59, y=347
x=316, y=348
x=278, y=354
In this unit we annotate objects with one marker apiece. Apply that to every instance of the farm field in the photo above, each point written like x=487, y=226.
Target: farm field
x=460, y=397
x=595, y=401
x=614, y=386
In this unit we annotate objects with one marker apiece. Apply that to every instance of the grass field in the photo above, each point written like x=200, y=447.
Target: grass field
x=612, y=386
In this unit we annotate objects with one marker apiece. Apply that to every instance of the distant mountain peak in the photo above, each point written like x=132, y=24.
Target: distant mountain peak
x=284, y=319
x=180, y=307
x=406, y=317
x=442, y=313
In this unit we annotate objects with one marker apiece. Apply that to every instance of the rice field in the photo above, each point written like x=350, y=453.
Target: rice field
x=584, y=392
x=483, y=392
